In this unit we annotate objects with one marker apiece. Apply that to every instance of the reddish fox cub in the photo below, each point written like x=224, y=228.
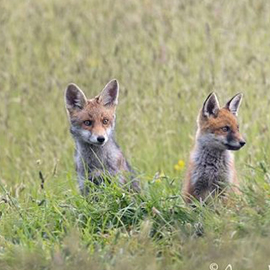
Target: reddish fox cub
x=211, y=166
x=92, y=124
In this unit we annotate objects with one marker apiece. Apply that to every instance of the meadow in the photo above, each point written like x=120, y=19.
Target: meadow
x=167, y=56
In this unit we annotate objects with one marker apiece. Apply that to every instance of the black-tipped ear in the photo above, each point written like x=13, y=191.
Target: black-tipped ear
x=109, y=95
x=234, y=104
x=74, y=98
x=210, y=106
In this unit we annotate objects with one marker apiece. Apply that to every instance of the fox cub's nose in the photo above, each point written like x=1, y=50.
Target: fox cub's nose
x=100, y=139
x=242, y=143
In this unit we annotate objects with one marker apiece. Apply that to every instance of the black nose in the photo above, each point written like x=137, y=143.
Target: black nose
x=242, y=143
x=100, y=139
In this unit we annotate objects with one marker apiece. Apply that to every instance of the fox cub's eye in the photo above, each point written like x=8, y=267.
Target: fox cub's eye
x=88, y=122
x=105, y=121
x=225, y=129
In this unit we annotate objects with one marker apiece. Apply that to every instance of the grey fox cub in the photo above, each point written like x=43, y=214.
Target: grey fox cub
x=92, y=123
x=211, y=166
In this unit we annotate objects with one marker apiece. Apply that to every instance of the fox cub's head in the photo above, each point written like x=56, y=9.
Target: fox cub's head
x=92, y=120
x=218, y=127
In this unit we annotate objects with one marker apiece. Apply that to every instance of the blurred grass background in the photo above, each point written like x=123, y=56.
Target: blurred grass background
x=167, y=56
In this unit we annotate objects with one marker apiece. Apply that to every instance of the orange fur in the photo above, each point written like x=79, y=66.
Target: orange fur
x=214, y=124
x=188, y=191
x=95, y=112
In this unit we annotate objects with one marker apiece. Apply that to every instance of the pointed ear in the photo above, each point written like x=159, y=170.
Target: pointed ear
x=234, y=104
x=74, y=98
x=210, y=106
x=109, y=95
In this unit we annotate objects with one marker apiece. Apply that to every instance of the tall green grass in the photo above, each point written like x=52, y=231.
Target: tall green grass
x=167, y=56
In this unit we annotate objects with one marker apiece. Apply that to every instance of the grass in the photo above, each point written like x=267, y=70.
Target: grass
x=167, y=56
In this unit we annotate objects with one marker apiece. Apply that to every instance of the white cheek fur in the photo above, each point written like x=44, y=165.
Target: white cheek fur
x=108, y=131
x=211, y=140
x=86, y=134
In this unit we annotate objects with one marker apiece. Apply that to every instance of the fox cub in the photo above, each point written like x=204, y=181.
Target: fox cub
x=92, y=123
x=211, y=166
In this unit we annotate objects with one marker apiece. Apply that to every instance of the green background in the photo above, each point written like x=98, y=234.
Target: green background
x=167, y=56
